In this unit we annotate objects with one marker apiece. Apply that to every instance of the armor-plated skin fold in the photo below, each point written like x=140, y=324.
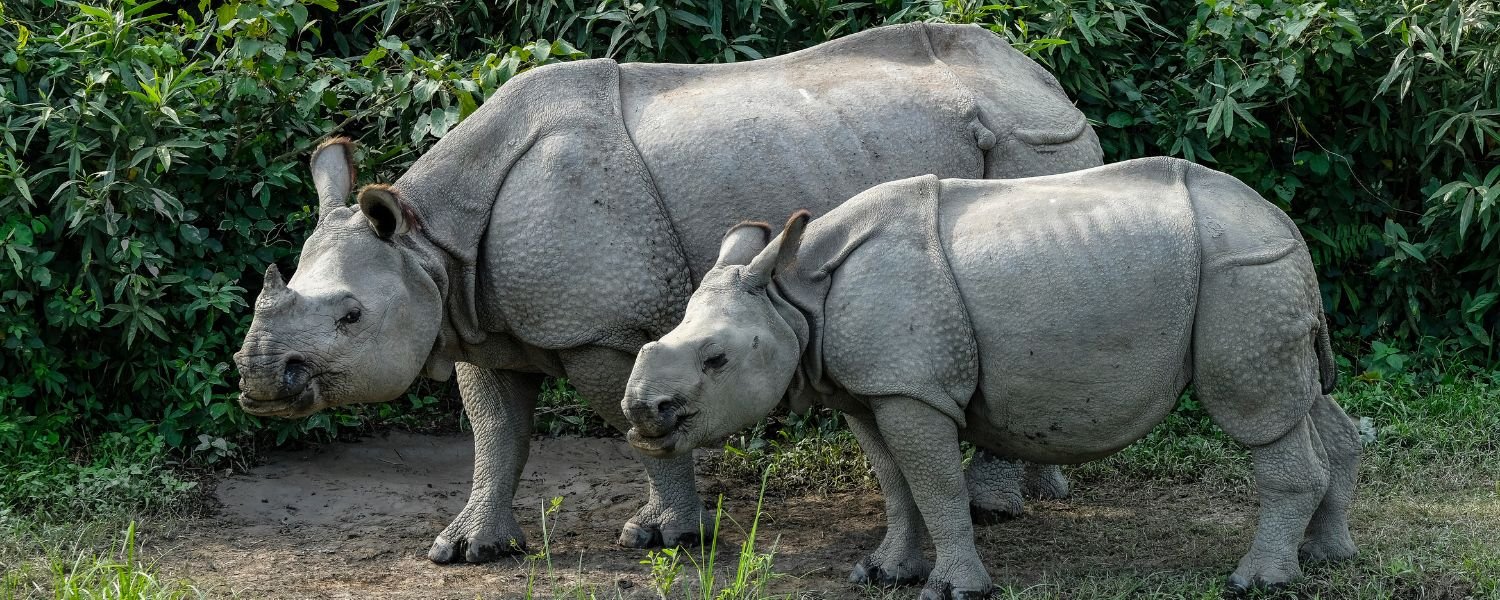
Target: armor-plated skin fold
x=565, y=223
x=1051, y=319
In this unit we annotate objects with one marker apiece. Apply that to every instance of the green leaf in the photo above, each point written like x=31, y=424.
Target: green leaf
x=1288, y=74
x=1412, y=250
x=1465, y=215
x=1481, y=302
x=1479, y=333
x=24, y=189
x=1318, y=162
x=689, y=18
x=190, y=234
x=373, y=57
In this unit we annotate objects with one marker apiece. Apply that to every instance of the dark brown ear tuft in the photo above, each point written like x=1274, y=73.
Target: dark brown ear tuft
x=763, y=226
x=802, y=215
x=742, y=242
x=413, y=220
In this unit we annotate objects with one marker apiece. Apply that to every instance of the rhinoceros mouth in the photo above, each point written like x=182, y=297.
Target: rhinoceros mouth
x=660, y=446
x=285, y=406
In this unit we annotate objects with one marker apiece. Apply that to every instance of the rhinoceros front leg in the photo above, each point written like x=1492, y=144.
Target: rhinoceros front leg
x=898, y=560
x=672, y=515
x=499, y=405
x=924, y=443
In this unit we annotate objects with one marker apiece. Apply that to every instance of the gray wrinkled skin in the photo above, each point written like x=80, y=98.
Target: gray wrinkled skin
x=1053, y=319
x=565, y=223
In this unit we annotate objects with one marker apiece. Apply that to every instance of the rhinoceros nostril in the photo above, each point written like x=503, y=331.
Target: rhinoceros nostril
x=294, y=372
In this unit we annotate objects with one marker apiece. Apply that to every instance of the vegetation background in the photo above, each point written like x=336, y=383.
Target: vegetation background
x=152, y=164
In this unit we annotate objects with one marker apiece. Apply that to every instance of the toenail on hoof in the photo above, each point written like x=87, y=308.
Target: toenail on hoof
x=937, y=591
x=442, y=552
x=985, y=516
x=685, y=540
x=860, y=574
x=636, y=536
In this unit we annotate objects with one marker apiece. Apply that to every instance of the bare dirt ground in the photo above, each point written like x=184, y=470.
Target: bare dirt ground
x=354, y=520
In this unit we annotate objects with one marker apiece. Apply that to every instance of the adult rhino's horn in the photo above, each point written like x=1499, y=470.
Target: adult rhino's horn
x=274, y=287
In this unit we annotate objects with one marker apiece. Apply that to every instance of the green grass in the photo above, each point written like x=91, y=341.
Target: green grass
x=118, y=574
x=750, y=578
x=1429, y=500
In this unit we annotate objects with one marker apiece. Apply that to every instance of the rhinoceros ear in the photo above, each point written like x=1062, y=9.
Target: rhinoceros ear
x=333, y=173
x=387, y=213
x=781, y=254
x=743, y=242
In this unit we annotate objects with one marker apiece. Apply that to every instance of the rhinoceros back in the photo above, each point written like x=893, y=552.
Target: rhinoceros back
x=1081, y=289
x=810, y=129
x=552, y=217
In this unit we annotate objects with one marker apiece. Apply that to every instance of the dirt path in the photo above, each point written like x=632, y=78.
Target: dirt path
x=355, y=520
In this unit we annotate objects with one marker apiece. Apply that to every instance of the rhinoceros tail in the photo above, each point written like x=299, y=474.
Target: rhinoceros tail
x=1327, y=368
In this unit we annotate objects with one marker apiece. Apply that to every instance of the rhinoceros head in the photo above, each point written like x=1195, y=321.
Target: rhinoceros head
x=360, y=315
x=730, y=360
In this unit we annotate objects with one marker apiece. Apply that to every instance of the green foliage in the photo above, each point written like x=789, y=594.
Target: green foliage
x=1373, y=123
x=167, y=153
x=125, y=472
x=152, y=159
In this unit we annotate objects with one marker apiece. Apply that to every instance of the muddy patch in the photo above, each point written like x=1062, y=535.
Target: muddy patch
x=354, y=520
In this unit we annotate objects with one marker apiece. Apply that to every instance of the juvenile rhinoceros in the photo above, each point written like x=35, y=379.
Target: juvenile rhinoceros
x=564, y=224
x=1053, y=319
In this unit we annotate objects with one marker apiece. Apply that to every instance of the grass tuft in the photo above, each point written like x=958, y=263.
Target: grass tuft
x=117, y=575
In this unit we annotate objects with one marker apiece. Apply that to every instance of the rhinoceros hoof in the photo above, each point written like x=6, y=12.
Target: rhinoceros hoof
x=1046, y=482
x=1238, y=586
x=636, y=535
x=868, y=572
x=942, y=590
x=475, y=548
x=1329, y=549
x=989, y=515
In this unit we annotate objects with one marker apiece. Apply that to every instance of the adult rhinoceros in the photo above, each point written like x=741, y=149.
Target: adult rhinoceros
x=566, y=222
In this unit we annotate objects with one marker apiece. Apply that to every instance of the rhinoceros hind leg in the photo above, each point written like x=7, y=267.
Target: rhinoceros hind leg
x=1291, y=477
x=1045, y=482
x=995, y=488
x=1327, y=537
x=898, y=560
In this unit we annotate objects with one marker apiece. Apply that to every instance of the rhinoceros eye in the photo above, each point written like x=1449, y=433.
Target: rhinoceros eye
x=351, y=317
x=716, y=361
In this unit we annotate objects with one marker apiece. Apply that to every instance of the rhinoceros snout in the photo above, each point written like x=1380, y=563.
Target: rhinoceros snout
x=653, y=416
x=267, y=377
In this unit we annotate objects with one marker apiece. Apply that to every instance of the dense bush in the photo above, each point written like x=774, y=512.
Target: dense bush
x=153, y=156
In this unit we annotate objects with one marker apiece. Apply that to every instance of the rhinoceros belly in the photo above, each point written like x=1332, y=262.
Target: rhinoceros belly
x=760, y=140
x=1081, y=290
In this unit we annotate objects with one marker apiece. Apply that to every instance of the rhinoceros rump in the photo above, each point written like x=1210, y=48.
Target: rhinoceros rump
x=1053, y=319
x=565, y=223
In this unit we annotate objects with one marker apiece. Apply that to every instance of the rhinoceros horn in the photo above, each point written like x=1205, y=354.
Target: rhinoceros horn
x=274, y=289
